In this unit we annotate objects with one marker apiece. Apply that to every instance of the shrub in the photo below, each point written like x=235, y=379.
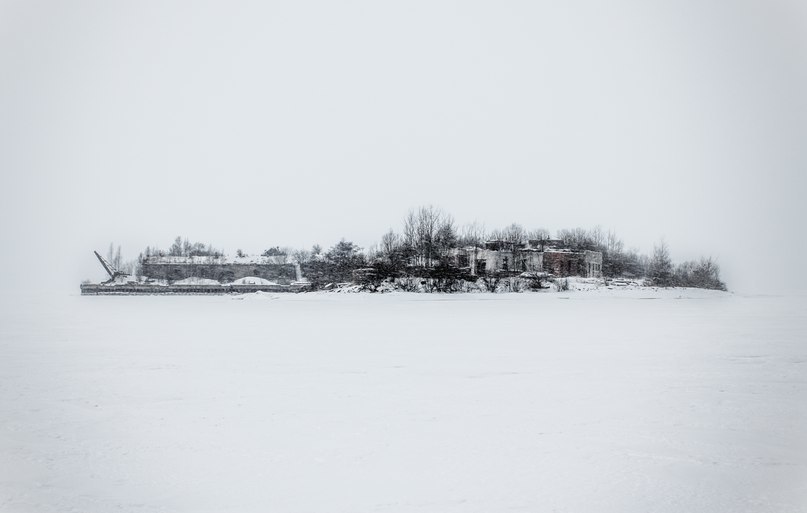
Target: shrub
x=562, y=284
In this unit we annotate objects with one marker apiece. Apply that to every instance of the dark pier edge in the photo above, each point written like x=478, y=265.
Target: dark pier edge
x=93, y=289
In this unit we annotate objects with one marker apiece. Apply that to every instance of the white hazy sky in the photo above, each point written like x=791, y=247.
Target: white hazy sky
x=254, y=124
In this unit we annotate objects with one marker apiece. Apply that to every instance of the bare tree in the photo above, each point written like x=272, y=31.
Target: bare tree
x=539, y=234
x=393, y=250
x=301, y=256
x=420, y=233
x=513, y=234
x=597, y=237
x=661, y=268
x=114, y=256
x=613, y=244
x=615, y=262
x=390, y=244
x=472, y=234
x=176, y=247
x=702, y=274
x=445, y=239
x=286, y=253
x=428, y=221
x=410, y=232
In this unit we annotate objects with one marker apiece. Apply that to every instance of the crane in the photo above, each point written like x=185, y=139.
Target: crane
x=109, y=268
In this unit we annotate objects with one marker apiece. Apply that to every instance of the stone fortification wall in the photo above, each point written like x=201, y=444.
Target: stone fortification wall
x=282, y=274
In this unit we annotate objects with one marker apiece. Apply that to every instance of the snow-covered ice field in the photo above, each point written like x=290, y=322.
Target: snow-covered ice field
x=605, y=401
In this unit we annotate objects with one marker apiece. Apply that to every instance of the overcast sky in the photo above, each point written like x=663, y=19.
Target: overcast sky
x=254, y=124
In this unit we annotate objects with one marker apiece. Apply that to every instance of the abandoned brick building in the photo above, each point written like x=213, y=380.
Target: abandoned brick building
x=548, y=256
x=573, y=263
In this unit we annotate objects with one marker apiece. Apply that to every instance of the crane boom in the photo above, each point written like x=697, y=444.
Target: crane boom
x=107, y=266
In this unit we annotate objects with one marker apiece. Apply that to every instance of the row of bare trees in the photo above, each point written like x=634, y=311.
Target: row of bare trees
x=429, y=234
x=115, y=258
x=183, y=248
x=703, y=273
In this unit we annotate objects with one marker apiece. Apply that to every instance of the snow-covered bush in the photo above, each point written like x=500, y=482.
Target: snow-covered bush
x=562, y=284
x=704, y=274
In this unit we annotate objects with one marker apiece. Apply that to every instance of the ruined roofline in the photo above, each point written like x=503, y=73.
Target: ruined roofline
x=528, y=249
x=571, y=251
x=533, y=245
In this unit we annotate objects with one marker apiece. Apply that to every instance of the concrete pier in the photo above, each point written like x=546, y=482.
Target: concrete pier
x=96, y=289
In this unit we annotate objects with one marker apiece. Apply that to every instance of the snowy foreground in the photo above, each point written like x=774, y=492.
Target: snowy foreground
x=602, y=401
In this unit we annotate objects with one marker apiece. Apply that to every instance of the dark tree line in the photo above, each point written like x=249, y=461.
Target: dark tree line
x=337, y=265
x=703, y=273
x=183, y=248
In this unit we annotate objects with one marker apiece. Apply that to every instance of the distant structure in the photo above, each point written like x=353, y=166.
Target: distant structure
x=161, y=274
x=549, y=255
x=109, y=268
x=559, y=262
x=171, y=269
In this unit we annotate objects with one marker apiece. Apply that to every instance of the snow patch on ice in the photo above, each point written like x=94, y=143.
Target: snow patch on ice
x=253, y=280
x=193, y=280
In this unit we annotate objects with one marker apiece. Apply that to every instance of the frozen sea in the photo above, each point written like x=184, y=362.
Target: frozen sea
x=603, y=401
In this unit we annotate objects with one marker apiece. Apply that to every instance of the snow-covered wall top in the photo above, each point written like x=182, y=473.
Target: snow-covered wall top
x=212, y=260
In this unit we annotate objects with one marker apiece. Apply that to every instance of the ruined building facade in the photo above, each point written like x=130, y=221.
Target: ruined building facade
x=549, y=256
x=573, y=263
